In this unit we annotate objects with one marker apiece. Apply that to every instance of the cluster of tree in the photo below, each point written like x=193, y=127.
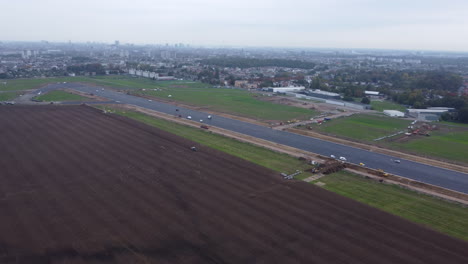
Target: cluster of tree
x=21, y=73
x=83, y=68
x=459, y=103
x=414, y=98
x=353, y=91
x=210, y=75
x=115, y=69
x=423, y=99
x=459, y=116
x=301, y=81
x=435, y=80
x=251, y=63
x=405, y=80
x=131, y=64
x=449, y=101
x=147, y=67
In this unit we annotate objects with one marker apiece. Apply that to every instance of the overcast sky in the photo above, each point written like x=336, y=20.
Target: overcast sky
x=383, y=24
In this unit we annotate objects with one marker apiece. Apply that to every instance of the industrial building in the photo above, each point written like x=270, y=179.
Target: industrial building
x=323, y=94
x=373, y=94
x=285, y=89
x=394, y=113
x=426, y=114
x=148, y=74
x=442, y=108
x=329, y=101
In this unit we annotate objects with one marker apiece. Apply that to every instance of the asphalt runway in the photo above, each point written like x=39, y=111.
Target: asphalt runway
x=449, y=179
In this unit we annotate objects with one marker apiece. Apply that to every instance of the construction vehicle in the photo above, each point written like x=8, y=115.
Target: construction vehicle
x=382, y=173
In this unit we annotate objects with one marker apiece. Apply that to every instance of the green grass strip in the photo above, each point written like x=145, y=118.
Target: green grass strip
x=446, y=217
x=7, y=96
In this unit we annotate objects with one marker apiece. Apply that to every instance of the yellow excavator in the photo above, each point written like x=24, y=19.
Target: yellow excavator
x=382, y=173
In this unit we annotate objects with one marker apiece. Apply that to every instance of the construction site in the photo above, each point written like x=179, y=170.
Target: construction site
x=130, y=193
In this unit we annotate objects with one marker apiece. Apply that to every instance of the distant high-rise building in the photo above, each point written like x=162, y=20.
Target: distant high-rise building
x=124, y=53
x=165, y=54
x=117, y=42
x=25, y=54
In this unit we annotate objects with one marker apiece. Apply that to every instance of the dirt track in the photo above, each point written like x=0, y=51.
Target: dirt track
x=79, y=186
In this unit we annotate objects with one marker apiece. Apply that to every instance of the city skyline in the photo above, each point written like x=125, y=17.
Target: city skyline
x=354, y=24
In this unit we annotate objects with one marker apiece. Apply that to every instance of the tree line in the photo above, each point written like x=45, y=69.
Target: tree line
x=239, y=62
x=90, y=67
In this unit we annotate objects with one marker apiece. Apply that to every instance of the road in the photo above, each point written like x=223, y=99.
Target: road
x=449, y=179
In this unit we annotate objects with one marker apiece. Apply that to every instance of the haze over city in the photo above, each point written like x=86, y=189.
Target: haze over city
x=413, y=25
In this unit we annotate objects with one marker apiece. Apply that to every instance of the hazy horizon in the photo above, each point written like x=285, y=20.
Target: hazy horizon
x=431, y=25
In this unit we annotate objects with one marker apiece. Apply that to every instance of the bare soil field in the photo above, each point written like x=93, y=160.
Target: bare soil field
x=80, y=186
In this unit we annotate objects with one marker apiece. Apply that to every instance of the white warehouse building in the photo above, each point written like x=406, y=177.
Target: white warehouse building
x=394, y=113
x=285, y=89
x=427, y=114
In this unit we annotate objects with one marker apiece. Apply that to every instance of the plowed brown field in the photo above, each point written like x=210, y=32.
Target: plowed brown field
x=79, y=186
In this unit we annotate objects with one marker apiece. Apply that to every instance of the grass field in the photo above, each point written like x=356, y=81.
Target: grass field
x=362, y=127
x=123, y=82
x=231, y=101
x=264, y=157
x=451, y=146
x=453, y=124
x=386, y=105
x=114, y=81
x=440, y=215
x=61, y=96
x=6, y=96
x=27, y=84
